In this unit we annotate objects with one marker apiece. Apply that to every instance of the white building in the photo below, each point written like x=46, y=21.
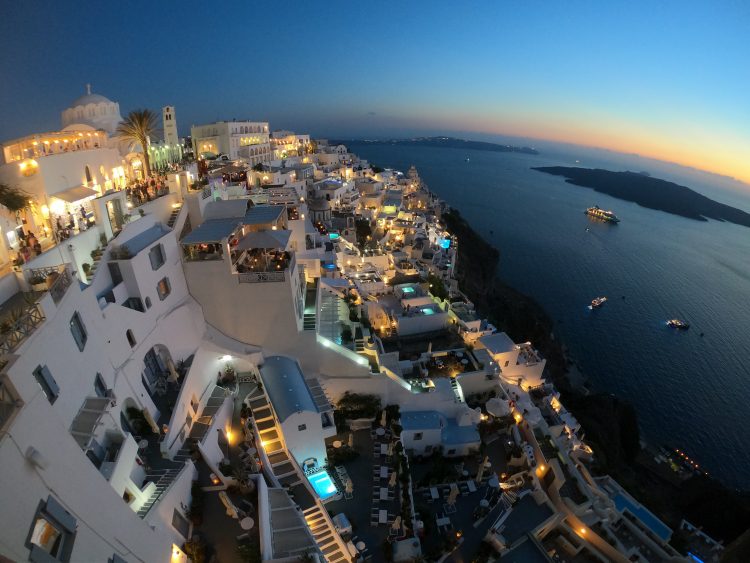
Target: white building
x=169, y=123
x=519, y=364
x=236, y=139
x=93, y=110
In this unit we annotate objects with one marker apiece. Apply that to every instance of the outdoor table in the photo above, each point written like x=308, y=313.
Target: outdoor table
x=383, y=471
x=464, y=361
x=472, y=486
x=384, y=449
x=465, y=473
x=484, y=503
x=434, y=493
x=380, y=431
x=360, y=545
x=443, y=522
x=247, y=523
x=383, y=493
x=337, y=444
x=383, y=517
x=143, y=444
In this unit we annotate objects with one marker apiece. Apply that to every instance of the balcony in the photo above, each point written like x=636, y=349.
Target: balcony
x=263, y=267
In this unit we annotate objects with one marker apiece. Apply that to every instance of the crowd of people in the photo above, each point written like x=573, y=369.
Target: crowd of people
x=143, y=192
x=30, y=247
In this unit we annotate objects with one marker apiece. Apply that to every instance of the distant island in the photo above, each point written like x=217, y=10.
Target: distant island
x=440, y=142
x=650, y=192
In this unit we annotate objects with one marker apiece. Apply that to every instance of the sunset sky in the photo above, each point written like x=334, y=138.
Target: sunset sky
x=667, y=79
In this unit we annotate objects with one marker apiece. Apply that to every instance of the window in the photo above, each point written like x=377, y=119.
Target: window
x=78, y=331
x=302, y=427
x=417, y=435
x=131, y=338
x=52, y=533
x=180, y=523
x=148, y=302
x=163, y=288
x=506, y=363
x=99, y=386
x=451, y=452
x=114, y=272
x=156, y=256
x=87, y=171
x=47, y=383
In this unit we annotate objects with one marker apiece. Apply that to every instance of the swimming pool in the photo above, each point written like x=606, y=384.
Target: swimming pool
x=323, y=484
x=407, y=290
x=651, y=521
x=428, y=310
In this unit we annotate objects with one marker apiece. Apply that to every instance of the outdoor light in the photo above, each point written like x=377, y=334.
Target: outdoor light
x=226, y=358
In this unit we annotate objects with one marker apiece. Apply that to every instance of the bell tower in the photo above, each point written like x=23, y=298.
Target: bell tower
x=170, y=126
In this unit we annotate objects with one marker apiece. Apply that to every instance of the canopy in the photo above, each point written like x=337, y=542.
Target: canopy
x=71, y=195
x=265, y=239
x=497, y=407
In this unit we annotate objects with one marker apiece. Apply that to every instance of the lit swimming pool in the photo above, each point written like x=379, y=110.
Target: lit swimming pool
x=333, y=236
x=407, y=290
x=428, y=311
x=656, y=525
x=323, y=484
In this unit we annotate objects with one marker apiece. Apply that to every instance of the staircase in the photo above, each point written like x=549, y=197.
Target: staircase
x=325, y=535
x=308, y=321
x=456, y=391
x=173, y=216
x=96, y=259
x=201, y=424
x=162, y=478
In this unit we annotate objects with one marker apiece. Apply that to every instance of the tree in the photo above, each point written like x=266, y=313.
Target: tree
x=136, y=128
x=13, y=198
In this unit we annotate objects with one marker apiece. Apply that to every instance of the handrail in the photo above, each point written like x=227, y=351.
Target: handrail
x=22, y=328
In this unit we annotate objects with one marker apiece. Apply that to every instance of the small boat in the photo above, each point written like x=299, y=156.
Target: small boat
x=678, y=324
x=598, y=302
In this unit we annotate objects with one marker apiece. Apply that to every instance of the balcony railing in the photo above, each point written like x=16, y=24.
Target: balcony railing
x=61, y=284
x=12, y=333
x=261, y=277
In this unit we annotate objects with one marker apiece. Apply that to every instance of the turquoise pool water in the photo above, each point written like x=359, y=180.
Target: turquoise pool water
x=428, y=311
x=656, y=525
x=323, y=484
x=408, y=290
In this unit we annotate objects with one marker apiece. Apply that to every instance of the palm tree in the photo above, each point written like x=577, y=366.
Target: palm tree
x=137, y=127
x=13, y=198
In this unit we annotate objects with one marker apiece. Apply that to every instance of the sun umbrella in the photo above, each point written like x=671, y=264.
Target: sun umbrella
x=453, y=494
x=392, y=482
x=383, y=420
x=396, y=523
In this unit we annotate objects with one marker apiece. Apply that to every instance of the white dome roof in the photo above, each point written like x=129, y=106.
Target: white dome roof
x=90, y=99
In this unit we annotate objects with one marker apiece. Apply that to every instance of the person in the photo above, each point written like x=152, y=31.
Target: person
x=71, y=221
x=25, y=253
x=37, y=248
x=59, y=224
x=83, y=212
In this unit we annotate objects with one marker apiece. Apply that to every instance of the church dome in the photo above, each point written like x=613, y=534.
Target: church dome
x=94, y=110
x=90, y=99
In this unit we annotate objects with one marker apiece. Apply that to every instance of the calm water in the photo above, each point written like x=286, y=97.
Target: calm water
x=690, y=391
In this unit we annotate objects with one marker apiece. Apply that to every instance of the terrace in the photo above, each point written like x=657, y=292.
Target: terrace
x=450, y=363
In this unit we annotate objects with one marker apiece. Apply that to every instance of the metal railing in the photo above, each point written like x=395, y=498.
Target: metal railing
x=61, y=284
x=15, y=332
x=261, y=277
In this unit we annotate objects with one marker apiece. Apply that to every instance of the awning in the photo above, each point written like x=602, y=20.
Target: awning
x=265, y=239
x=71, y=195
x=85, y=423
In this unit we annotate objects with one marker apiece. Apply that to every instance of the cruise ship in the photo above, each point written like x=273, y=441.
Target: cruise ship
x=599, y=213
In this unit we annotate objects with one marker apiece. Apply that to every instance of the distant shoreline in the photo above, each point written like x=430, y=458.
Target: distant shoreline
x=650, y=192
x=441, y=142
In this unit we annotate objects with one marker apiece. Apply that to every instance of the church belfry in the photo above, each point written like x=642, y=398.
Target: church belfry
x=170, y=126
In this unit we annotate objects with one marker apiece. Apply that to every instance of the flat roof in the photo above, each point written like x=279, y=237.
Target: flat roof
x=528, y=551
x=525, y=516
x=261, y=214
x=498, y=343
x=454, y=434
x=213, y=230
x=286, y=387
x=225, y=209
x=144, y=239
x=421, y=420
x=265, y=239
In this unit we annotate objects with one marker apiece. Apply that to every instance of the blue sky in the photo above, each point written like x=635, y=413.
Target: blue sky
x=666, y=79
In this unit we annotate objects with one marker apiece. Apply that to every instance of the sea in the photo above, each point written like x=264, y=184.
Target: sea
x=691, y=388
